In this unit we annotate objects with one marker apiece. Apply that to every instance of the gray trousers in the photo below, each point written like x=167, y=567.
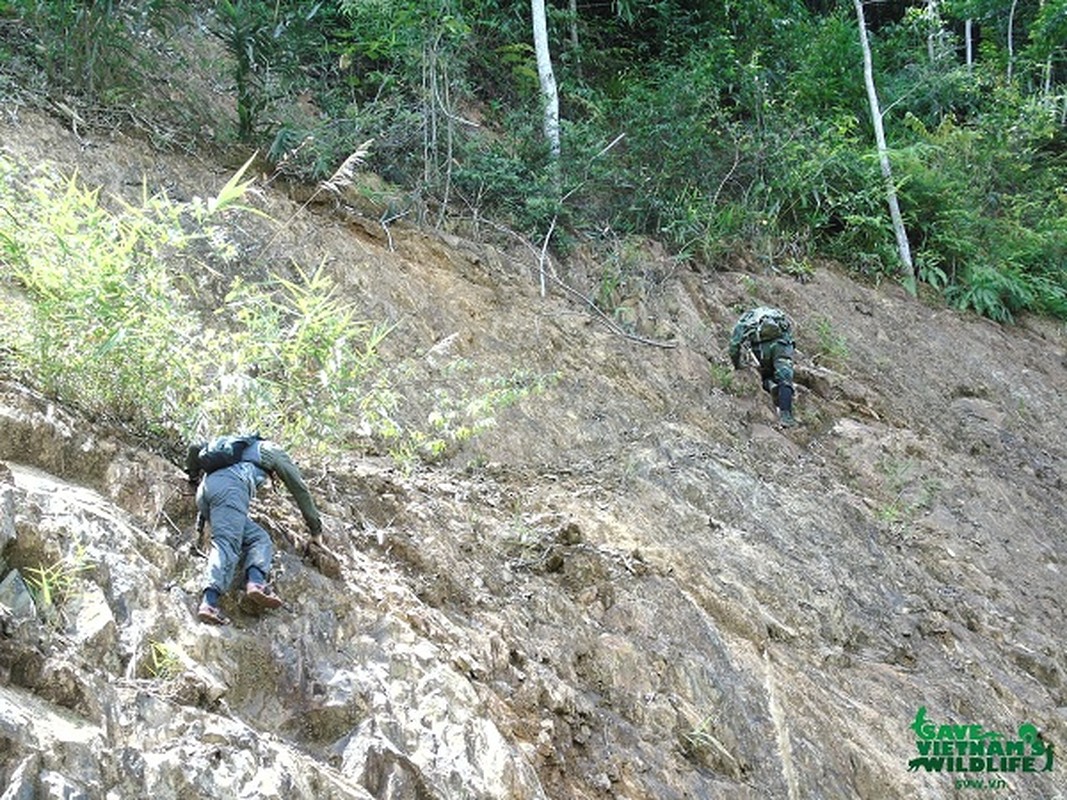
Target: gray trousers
x=223, y=498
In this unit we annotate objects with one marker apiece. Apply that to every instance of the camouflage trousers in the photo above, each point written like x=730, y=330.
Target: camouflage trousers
x=775, y=364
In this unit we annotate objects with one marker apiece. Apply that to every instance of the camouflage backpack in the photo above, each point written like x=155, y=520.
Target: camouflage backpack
x=764, y=324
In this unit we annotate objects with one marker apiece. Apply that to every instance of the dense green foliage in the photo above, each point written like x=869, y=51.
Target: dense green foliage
x=102, y=307
x=743, y=125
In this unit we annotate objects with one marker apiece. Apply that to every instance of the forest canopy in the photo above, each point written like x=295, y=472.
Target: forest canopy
x=712, y=127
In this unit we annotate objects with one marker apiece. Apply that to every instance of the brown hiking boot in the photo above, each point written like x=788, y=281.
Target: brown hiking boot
x=211, y=615
x=262, y=595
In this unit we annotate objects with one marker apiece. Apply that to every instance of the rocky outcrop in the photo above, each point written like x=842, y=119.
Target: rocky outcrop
x=634, y=586
x=111, y=689
x=494, y=635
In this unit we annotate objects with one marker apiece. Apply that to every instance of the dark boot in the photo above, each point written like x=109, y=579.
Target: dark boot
x=785, y=406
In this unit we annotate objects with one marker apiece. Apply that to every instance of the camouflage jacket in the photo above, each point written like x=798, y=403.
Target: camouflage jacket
x=759, y=325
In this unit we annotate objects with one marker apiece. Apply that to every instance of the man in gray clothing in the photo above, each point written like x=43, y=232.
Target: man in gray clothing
x=223, y=498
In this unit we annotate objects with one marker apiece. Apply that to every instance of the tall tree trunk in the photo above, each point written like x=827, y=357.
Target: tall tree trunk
x=883, y=154
x=933, y=37
x=547, y=78
x=1047, y=69
x=968, y=38
x=1011, y=37
x=574, y=40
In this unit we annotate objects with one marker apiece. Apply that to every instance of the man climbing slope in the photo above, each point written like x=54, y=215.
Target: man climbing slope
x=768, y=333
x=232, y=469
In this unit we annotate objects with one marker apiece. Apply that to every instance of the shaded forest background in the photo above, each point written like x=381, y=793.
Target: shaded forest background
x=714, y=128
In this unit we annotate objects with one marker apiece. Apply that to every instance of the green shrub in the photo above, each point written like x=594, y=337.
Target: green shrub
x=991, y=245
x=271, y=44
x=55, y=585
x=164, y=660
x=98, y=313
x=511, y=179
x=995, y=293
x=291, y=357
x=96, y=317
x=91, y=47
x=826, y=80
x=107, y=326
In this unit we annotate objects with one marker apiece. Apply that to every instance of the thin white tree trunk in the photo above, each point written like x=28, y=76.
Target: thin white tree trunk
x=883, y=154
x=1011, y=37
x=968, y=38
x=547, y=78
x=575, y=49
x=1047, y=76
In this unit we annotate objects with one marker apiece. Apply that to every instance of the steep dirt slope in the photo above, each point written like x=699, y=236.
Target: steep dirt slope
x=634, y=586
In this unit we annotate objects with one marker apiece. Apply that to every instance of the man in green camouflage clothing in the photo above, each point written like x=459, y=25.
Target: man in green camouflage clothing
x=768, y=333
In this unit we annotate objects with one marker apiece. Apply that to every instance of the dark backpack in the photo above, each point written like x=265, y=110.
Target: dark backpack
x=766, y=324
x=224, y=451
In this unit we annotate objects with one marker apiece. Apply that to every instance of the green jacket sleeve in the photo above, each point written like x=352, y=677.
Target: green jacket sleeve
x=274, y=459
x=193, y=473
x=192, y=462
